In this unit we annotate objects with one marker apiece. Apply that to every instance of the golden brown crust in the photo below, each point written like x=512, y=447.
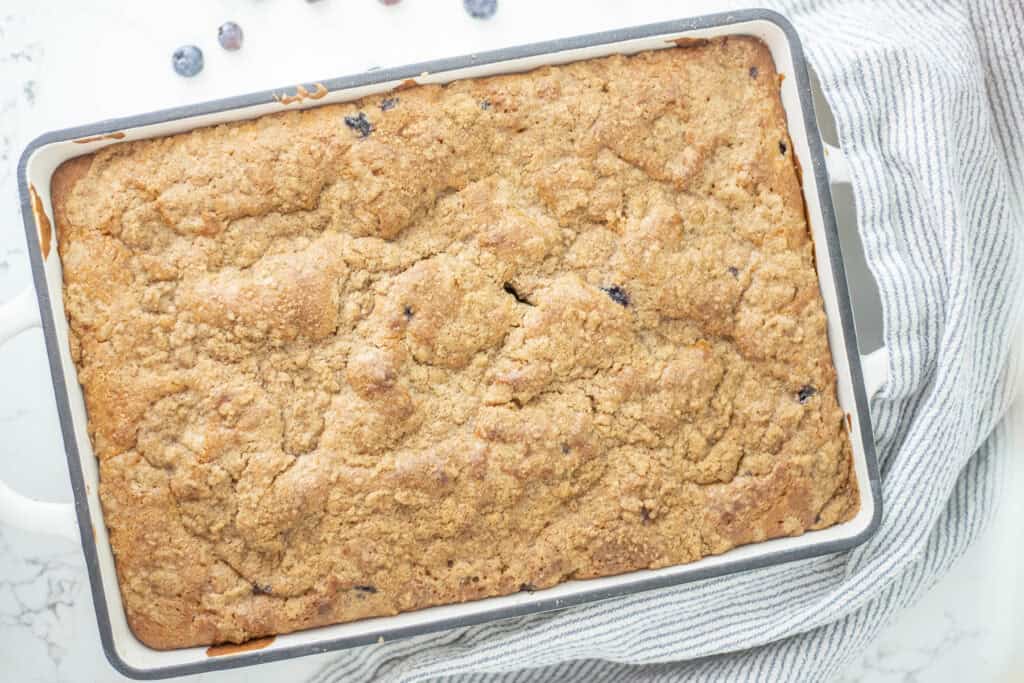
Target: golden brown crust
x=527, y=328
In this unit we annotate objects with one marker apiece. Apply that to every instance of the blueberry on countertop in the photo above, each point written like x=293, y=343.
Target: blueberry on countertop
x=187, y=60
x=359, y=123
x=618, y=294
x=229, y=35
x=480, y=9
x=805, y=393
x=388, y=103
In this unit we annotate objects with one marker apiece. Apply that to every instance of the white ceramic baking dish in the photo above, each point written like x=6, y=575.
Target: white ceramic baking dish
x=858, y=377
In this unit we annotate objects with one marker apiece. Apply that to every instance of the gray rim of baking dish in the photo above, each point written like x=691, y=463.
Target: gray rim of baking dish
x=412, y=71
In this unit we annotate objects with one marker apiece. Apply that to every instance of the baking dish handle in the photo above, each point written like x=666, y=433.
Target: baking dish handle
x=36, y=516
x=835, y=162
x=875, y=366
x=18, y=314
x=16, y=510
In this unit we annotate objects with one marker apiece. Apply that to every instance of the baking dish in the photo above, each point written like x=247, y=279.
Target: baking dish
x=857, y=377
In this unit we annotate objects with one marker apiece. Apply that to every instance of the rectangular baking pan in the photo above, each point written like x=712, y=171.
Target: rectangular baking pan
x=46, y=153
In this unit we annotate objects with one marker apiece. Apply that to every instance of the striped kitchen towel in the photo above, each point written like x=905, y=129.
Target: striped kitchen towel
x=929, y=102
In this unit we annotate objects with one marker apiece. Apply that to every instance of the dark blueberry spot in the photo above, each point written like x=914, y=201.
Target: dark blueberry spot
x=753, y=72
x=450, y=563
x=229, y=35
x=510, y=289
x=734, y=271
x=359, y=123
x=527, y=587
x=618, y=294
x=187, y=60
x=365, y=589
x=388, y=103
x=261, y=589
x=407, y=312
x=485, y=104
x=645, y=514
x=782, y=146
x=565, y=449
x=480, y=9
x=805, y=393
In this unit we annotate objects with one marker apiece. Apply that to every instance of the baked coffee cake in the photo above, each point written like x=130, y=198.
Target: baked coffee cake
x=451, y=342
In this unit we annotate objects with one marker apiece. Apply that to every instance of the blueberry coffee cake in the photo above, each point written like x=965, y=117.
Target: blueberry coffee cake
x=451, y=342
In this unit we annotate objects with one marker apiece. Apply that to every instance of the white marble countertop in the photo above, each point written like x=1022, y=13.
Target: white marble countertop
x=68, y=63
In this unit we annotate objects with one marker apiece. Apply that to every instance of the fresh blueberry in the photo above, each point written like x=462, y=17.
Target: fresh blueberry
x=229, y=35
x=360, y=124
x=805, y=393
x=480, y=9
x=617, y=294
x=388, y=103
x=187, y=60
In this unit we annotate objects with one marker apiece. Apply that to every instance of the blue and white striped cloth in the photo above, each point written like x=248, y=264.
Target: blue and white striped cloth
x=929, y=102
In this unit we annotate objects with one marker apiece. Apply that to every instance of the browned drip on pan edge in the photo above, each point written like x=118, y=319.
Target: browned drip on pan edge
x=319, y=91
x=45, y=231
x=232, y=649
x=109, y=136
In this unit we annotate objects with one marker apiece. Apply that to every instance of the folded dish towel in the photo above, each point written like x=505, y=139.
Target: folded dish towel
x=929, y=102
